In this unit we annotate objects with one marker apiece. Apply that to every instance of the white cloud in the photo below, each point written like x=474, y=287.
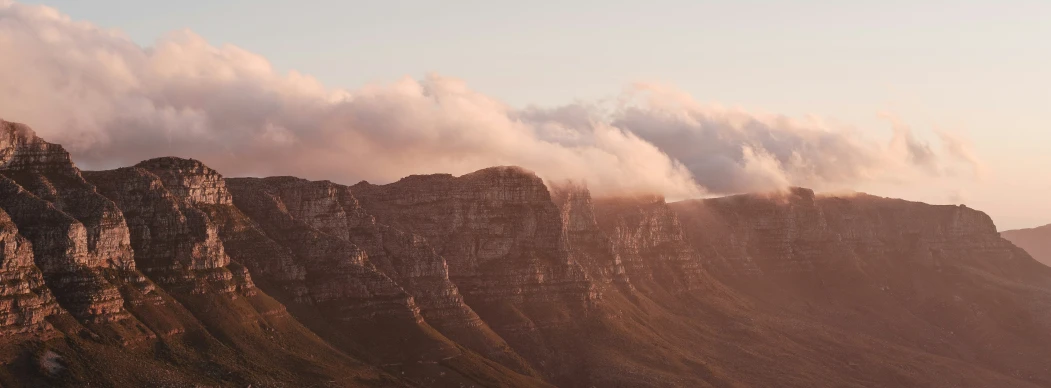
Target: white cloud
x=113, y=103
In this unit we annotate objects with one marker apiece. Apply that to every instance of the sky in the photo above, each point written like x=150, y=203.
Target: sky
x=936, y=101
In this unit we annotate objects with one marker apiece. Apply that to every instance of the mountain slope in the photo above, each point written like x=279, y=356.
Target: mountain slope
x=1036, y=241
x=166, y=273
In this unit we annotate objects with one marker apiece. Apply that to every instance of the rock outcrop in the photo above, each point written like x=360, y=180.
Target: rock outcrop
x=799, y=233
x=25, y=301
x=502, y=238
x=175, y=243
x=179, y=212
x=645, y=233
x=341, y=283
x=80, y=240
x=590, y=246
x=497, y=228
x=334, y=212
x=903, y=272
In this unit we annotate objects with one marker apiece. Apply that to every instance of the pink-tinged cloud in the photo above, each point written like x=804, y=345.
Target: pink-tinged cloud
x=113, y=102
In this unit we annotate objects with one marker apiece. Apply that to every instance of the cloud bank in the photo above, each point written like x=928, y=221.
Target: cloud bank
x=112, y=102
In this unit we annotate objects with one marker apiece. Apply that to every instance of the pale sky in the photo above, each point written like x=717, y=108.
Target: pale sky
x=979, y=69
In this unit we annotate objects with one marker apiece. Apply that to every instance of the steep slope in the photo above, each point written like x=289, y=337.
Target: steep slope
x=501, y=237
x=208, y=254
x=552, y=287
x=589, y=246
x=935, y=280
x=1035, y=241
x=334, y=212
x=24, y=300
x=177, y=245
x=111, y=319
x=80, y=240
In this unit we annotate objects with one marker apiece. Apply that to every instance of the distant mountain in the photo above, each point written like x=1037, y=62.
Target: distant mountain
x=167, y=274
x=1036, y=241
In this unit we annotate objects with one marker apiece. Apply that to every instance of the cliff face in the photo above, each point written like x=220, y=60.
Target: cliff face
x=588, y=244
x=79, y=238
x=334, y=213
x=185, y=229
x=903, y=272
x=24, y=300
x=800, y=233
x=648, y=238
x=175, y=244
x=502, y=238
x=497, y=228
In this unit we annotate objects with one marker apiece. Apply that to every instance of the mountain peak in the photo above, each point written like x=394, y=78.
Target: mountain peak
x=190, y=179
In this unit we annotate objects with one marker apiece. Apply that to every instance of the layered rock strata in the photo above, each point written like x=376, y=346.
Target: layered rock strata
x=319, y=275
x=497, y=228
x=79, y=238
x=25, y=301
x=589, y=245
x=798, y=233
x=406, y=258
x=647, y=237
x=502, y=238
x=176, y=244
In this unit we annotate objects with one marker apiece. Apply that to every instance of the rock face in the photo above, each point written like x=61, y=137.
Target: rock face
x=645, y=233
x=334, y=213
x=800, y=233
x=175, y=244
x=590, y=246
x=497, y=228
x=182, y=218
x=79, y=238
x=502, y=238
x=1035, y=241
x=24, y=300
x=903, y=272
x=341, y=282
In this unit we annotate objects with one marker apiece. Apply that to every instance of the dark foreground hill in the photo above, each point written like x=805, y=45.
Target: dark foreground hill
x=168, y=274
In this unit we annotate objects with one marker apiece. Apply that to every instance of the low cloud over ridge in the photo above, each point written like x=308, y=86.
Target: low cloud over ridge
x=112, y=102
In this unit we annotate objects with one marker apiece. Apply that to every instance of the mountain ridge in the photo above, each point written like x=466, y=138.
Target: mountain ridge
x=494, y=278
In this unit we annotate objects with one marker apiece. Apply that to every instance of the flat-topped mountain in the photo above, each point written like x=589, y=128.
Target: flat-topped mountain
x=167, y=273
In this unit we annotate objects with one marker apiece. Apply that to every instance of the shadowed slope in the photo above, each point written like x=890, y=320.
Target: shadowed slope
x=1035, y=241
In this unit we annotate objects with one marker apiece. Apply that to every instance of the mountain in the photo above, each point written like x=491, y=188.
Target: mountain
x=167, y=273
x=1036, y=241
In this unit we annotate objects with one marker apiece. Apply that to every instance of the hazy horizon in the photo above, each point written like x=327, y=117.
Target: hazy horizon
x=935, y=103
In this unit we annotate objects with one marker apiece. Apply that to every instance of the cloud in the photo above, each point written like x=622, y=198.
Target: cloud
x=732, y=150
x=960, y=149
x=958, y=196
x=114, y=103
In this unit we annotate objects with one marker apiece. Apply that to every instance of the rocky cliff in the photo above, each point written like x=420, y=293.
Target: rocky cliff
x=589, y=245
x=501, y=236
x=497, y=228
x=898, y=271
x=333, y=212
x=24, y=299
x=648, y=238
x=80, y=240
